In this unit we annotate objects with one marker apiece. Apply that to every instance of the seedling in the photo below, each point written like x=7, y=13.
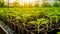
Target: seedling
x=39, y=22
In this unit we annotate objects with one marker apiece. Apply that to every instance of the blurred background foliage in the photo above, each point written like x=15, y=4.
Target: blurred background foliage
x=44, y=4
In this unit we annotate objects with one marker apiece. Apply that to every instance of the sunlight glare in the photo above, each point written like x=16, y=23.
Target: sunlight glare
x=21, y=2
x=27, y=1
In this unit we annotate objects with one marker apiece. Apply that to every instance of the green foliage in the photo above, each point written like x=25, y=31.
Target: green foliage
x=58, y=32
x=46, y=4
x=1, y=4
x=36, y=5
x=16, y=4
x=39, y=22
x=56, y=4
x=33, y=16
x=53, y=15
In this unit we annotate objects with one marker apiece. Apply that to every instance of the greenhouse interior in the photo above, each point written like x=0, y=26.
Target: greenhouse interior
x=29, y=16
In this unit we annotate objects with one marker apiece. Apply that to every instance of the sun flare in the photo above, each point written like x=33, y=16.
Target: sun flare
x=27, y=1
x=22, y=2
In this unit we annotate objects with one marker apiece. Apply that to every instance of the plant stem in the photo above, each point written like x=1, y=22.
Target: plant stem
x=56, y=19
x=38, y=28
x=47, y=26
x=50, y=21
x=45, y=33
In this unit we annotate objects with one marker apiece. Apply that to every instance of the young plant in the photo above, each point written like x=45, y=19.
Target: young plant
x=39, y=22
x=25, y=17
x=49, y=15
x=45, y=21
